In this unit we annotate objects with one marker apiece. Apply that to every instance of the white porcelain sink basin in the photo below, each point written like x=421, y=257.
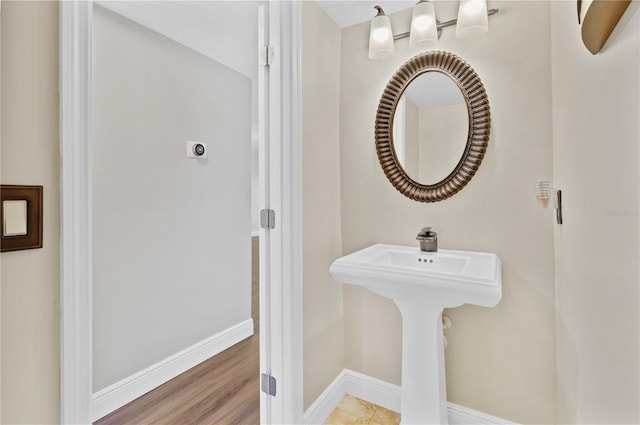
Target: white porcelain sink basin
x=422, y=284
x=450, y=278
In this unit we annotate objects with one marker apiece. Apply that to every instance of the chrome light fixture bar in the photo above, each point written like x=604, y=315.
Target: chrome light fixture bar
x=472, y=21
x=441, y=25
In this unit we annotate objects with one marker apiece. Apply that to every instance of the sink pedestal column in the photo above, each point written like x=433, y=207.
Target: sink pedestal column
x=424, y=392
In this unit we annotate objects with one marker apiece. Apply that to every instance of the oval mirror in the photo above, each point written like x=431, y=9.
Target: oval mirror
x=430, y=127
x=432, y=160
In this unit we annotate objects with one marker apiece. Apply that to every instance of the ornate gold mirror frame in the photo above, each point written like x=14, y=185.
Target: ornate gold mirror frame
x=479, y=125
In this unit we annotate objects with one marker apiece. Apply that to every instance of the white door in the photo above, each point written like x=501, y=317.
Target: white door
x=264, y=197
x=280, y=192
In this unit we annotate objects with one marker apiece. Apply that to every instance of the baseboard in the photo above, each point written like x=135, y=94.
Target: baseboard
x=117, y=395
x=373, y=390
x=460, y=415
x=383, y=394
x=320, y=410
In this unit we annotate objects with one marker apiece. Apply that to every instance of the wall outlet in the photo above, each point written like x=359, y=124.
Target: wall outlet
x=197, y=150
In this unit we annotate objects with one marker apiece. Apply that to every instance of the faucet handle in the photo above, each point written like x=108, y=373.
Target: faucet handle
x=425, y=233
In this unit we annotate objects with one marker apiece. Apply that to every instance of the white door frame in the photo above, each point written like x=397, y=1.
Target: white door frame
x=283, y=312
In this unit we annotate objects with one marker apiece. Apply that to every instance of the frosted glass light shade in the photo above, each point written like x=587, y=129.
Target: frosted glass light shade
x=381, y=38
x=424, y=28
x=473, y=20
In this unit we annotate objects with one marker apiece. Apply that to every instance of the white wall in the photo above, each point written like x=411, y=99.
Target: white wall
x=322, y=310
x=30, y=279
x=255, y=165
x=596, y=119
x=171, y=235
x=200, y=25
x=500, y=361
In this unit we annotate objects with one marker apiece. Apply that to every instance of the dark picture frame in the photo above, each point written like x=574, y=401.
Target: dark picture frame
x=33, y=195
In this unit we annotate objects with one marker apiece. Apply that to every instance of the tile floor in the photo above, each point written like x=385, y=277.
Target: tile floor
x=353, y=411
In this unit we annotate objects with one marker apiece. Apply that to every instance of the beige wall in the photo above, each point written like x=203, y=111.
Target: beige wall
x=30, y=282
x=442, y=139
x=596, y=104
x=323, y=311
x=411, y=137
x=500, y=361
x=0, y=181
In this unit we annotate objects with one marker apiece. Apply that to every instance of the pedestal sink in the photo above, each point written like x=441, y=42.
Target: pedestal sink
x=423, y=284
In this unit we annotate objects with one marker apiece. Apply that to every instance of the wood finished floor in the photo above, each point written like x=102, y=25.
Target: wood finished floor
x=222, y=390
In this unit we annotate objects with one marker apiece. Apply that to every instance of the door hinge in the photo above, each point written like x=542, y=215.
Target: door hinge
x=268, y=384
x=267, y=219
x=267, y=55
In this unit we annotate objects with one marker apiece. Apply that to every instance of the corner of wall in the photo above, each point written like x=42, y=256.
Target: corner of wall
x=596, y=105
x=323, y=304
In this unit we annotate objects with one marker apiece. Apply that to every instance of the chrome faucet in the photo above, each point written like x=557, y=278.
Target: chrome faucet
x=428, y=240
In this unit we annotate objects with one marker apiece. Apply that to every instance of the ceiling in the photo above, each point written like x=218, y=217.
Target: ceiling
x=226, y=31
x=201, y=25
x=350, y=12
x=434, y=89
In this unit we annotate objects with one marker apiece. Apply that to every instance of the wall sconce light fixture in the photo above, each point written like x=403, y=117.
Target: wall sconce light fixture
x=381, y=37
x=548, y=197
x=425, y=28
x=473, y=19
x=597, y=19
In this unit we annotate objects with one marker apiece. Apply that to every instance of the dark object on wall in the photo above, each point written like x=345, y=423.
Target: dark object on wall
x=579, y=2
x=479, y=125
x=29, y=198
x=599, y=20
x=198, y=149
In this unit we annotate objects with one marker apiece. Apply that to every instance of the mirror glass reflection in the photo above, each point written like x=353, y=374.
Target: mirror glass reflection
x=430, y=127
